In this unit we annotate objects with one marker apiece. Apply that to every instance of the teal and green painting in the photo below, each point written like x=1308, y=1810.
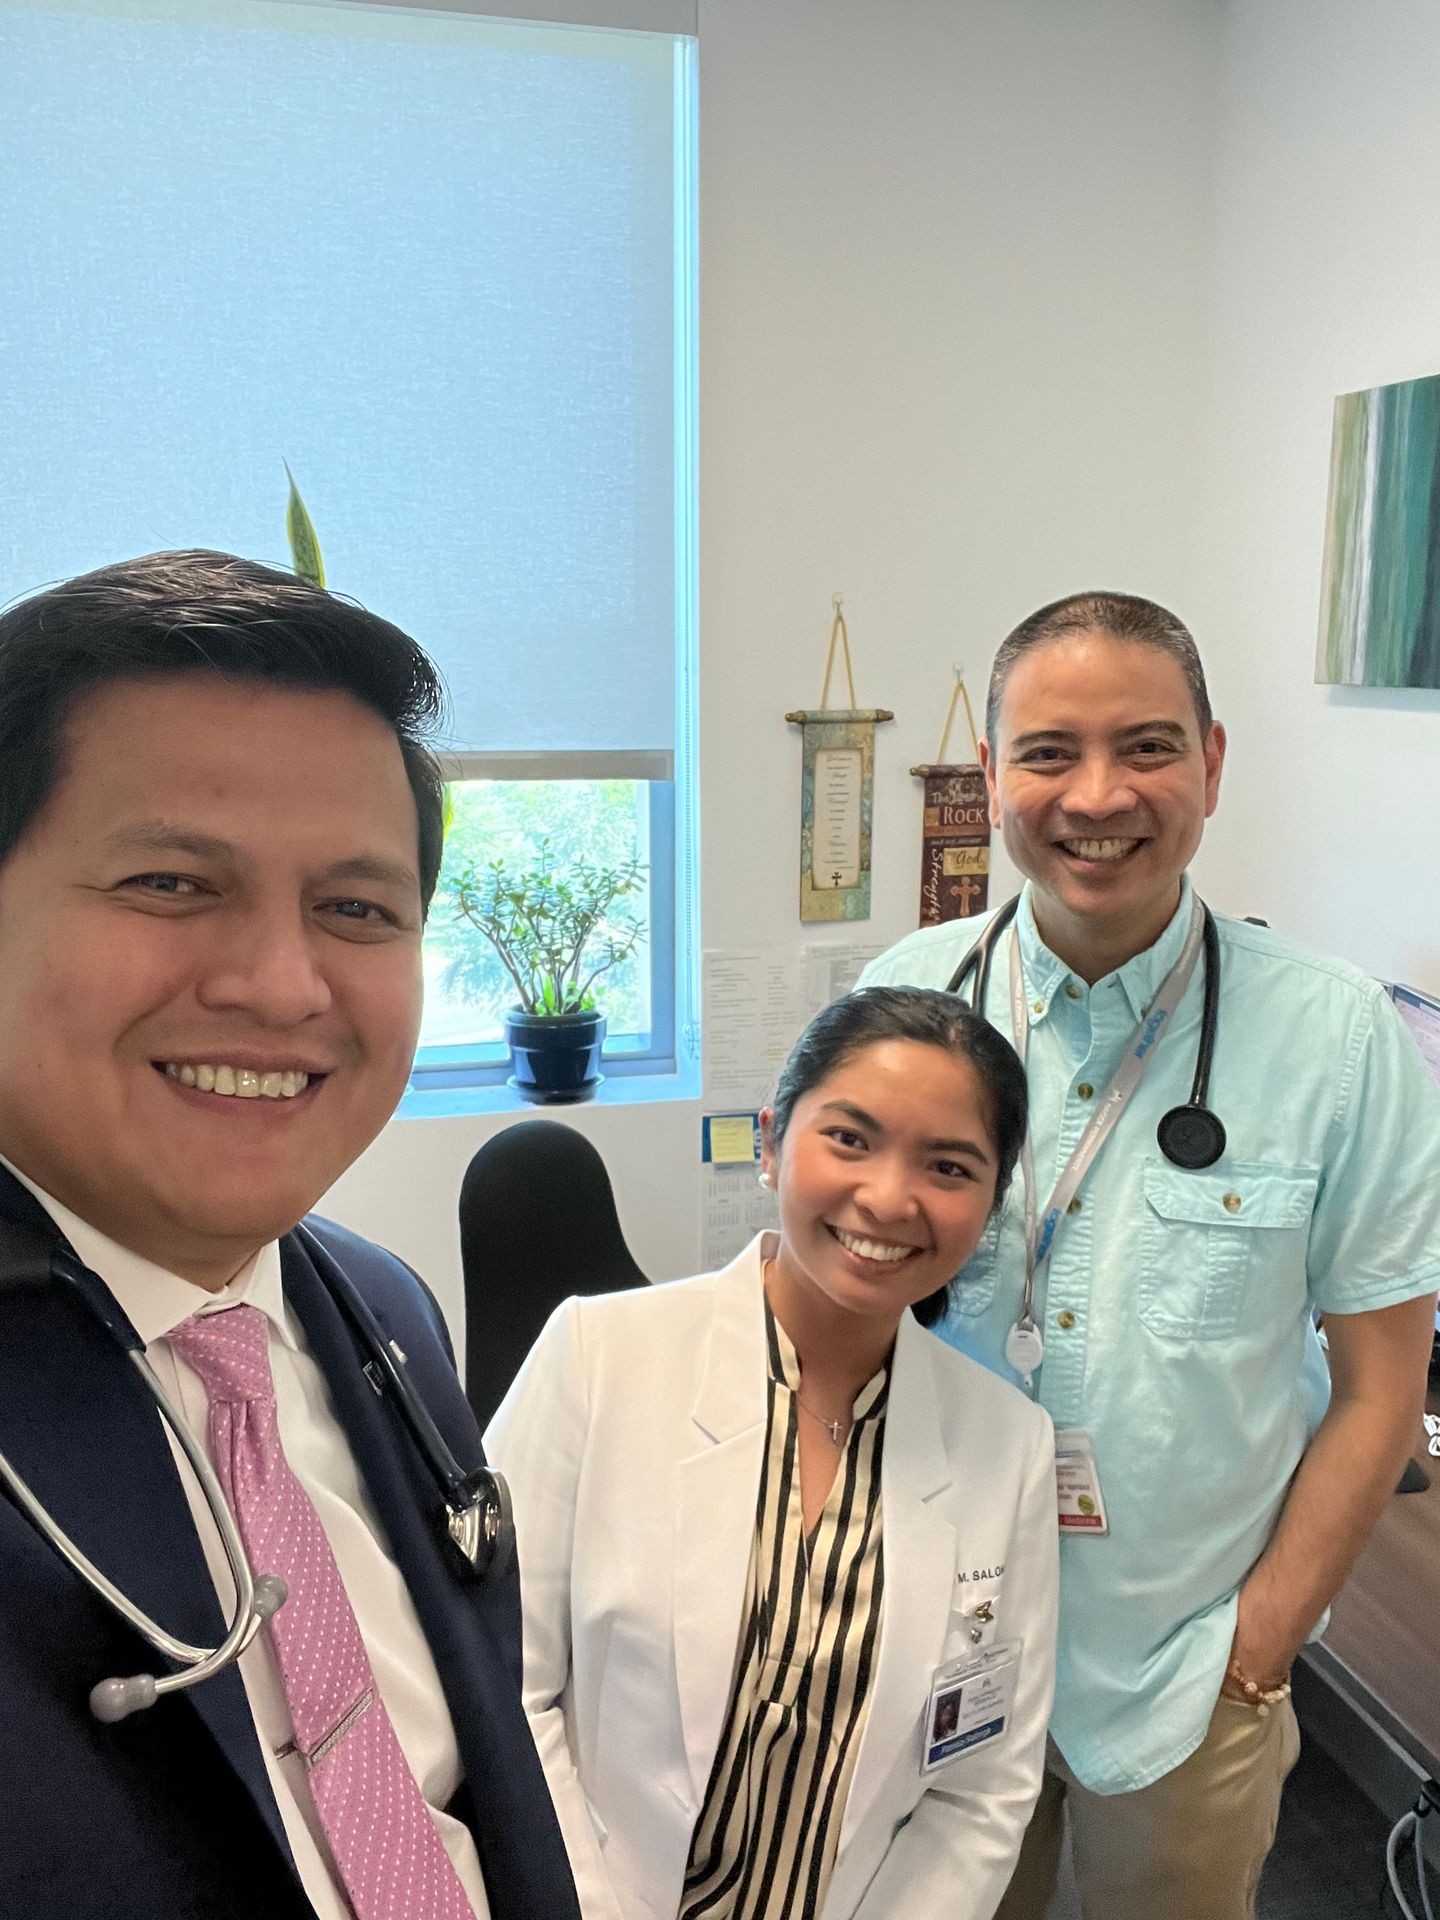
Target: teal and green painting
x=1380, y=597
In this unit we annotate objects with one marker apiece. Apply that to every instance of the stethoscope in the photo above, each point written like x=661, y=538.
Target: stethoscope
x=474, y=1521
x=1189, y=1136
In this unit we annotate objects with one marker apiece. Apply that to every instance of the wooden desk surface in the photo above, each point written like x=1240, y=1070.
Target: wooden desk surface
x=1385, y=1625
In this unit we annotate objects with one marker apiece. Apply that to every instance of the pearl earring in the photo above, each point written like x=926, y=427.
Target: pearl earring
x=767, y=1179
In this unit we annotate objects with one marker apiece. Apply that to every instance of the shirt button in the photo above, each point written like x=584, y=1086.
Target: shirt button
x=1074, y=1206
x=1085, y=1091
x=1072, y=992
x=1065, y=1319
x=1037, y=1006
x=1231, y=1203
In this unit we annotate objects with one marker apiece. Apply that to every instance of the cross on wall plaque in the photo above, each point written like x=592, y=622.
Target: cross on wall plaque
x=955, y=848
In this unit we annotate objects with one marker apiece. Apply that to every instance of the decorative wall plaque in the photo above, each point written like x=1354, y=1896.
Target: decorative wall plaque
x=955, y=847
x=837, y=795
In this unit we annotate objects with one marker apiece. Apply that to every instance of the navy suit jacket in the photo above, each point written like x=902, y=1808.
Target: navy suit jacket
x=169, y=1813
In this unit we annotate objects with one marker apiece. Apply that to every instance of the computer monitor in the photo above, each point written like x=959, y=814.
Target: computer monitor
x=1421, y=1014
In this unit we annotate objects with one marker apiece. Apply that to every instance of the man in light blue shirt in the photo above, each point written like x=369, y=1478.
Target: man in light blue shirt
x=1175, y=1306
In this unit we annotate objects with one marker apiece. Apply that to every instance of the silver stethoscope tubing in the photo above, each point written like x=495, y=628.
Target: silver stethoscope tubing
x=257, y=1596
x=477, y=1528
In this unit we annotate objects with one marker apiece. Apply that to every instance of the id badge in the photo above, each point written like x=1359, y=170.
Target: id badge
x=1077, y=1485
x=970, y=1704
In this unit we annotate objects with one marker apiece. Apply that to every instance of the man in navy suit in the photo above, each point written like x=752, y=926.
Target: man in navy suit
x=220, y=829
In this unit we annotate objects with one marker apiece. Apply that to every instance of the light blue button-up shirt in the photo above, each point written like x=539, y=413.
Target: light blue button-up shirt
x=1176, y=1307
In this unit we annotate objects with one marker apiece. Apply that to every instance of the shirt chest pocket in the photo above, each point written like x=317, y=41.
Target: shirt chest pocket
x=1211, y=1240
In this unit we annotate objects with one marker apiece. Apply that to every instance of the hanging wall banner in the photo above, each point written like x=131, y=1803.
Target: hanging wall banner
x=955, y=852
x=837, y=796
x=955, y=847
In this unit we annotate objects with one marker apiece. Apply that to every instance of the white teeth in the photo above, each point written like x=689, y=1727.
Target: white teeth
x=240, y=1083
x=1099, y=849
x=871, y=1249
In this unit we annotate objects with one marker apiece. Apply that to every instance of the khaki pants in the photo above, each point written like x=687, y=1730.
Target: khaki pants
x=1188, y=1847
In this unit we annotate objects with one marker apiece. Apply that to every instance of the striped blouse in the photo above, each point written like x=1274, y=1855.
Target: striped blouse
x=764, y=1845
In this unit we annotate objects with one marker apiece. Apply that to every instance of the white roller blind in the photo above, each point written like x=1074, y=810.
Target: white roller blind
x=435, y=261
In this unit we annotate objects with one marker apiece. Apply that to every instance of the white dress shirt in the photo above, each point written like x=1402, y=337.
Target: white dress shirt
x=154, y=1301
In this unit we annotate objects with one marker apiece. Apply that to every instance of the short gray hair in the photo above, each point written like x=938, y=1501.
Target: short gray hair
x=1123, y=616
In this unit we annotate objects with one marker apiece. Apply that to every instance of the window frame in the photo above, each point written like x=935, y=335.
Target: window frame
x=486, y=1062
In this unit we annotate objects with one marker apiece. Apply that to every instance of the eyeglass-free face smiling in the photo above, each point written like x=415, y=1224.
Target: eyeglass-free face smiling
x=210, y=978
x=1101, y=785
x=886, y=1178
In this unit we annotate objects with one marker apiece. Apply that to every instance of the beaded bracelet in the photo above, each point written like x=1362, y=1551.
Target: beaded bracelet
x=1256, y=1696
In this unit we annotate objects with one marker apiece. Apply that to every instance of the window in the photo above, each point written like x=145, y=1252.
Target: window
x=466, y=988
x=443, y=265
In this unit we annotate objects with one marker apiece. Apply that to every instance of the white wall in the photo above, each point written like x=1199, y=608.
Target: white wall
x=952, y=276
x=1325, y=278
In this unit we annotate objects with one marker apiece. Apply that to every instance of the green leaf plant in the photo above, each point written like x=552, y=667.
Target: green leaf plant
x=305, y=556
x=555, y=929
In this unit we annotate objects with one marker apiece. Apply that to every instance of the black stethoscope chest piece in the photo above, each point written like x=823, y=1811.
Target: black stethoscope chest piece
x=1191, y=1137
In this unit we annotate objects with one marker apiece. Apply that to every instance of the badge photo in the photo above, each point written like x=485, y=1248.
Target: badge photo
x=970, y=1703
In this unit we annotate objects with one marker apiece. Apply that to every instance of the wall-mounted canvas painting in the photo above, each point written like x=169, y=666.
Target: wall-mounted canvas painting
x=1380, y=597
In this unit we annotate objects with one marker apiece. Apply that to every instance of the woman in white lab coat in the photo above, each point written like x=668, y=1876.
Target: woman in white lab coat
x=788, y=1561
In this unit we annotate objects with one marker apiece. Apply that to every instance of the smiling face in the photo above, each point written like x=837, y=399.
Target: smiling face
x=1101, y=785
x=221, y=893
x=886, y=1178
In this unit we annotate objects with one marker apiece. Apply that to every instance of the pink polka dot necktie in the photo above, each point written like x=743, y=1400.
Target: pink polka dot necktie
x=386, y=1847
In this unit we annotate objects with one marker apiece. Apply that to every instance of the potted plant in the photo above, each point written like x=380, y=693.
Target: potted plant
x=556, y=932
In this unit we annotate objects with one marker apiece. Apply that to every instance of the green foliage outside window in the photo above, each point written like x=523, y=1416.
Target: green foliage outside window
x=557, y=925
x=591, y=822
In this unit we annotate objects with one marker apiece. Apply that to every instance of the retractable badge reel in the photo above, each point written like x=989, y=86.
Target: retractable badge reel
x=1024, y=1347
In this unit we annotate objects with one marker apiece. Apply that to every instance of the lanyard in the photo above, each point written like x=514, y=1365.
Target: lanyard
x=1024, y=1347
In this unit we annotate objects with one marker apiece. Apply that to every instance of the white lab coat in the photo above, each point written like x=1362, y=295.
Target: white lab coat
x=632, y=1442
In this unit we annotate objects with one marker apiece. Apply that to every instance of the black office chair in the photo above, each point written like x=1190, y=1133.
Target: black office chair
x=537, y=1224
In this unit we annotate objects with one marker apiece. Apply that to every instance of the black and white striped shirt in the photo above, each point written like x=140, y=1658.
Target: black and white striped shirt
x=764, y=1845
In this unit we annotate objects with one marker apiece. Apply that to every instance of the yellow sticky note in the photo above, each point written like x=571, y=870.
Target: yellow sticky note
x=732, y=1140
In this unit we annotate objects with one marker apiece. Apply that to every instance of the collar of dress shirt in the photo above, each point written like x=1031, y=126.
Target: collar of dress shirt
x=1139, y=979
x=152, y=1299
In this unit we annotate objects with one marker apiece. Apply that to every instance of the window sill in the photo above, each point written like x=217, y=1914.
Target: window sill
x=494, y=1096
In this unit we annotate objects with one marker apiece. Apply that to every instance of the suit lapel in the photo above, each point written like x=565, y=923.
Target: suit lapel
x=406, y=1499
x=82, y=1430
x=471, y=1633
x=718, y=1480
x=919, y=1547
